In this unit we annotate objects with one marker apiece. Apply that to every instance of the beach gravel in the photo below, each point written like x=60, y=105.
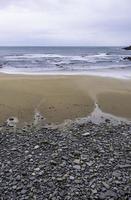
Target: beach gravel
x=77, y=162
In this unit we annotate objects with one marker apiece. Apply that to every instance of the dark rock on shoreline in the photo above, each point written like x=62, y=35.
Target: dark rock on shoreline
x=78, y=162
x=127, y=48
x=127, y=58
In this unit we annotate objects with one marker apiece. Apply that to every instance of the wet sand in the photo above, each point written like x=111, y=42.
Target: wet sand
x=62, y=97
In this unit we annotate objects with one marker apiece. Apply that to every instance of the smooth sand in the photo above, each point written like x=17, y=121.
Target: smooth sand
x=62, y=97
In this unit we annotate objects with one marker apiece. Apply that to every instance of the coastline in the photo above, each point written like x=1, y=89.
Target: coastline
x=75, y=159
x=58, y=98
x=116, y=73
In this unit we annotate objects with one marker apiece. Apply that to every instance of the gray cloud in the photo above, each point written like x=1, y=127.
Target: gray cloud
x=65, y=22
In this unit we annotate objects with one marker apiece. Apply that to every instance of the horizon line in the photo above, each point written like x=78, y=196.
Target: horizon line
x=63, y=45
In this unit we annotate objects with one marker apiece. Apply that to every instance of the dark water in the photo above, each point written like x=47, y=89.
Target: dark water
x=88, y=60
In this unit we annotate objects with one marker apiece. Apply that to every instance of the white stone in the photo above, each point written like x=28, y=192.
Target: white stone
x=36, y=147
x=86, y=134
x=72, y=177
x=37, y=169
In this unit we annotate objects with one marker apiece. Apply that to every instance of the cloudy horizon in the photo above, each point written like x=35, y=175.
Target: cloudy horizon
x=65, y=22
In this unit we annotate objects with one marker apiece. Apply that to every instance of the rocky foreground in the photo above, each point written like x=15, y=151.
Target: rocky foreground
x=78, y=162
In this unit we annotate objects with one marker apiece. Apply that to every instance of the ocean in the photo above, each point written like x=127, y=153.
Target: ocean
x=101, y=61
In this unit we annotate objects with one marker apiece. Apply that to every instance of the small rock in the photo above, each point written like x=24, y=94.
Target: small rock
x=94, y=191
x=14, y=187
x=77, y=161
x=124, y=166
x=36, y=147
x=62, y=178
x=71, y=177
x=84, y=157
x=18, y=178
x=107, y=194
x=77, y=181
x=105, y=185
x=77, y=167
x=86, y=134
x=90, y=163
x=13, y=149
x=23, y=191
x=107, y=120
x=52, y=162
x=116, y=174
x=37, y=169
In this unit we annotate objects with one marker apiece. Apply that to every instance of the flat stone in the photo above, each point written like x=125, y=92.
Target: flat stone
x=116, y=174
x=84, y=157
x=77, y=161
x=77, y=167
x=86, y=134
x=37, y=169
x=77, y=181
x=14, y=187
x=71, y=177
x=108, y=193
x=23, y=191
x=92, y=181
x=36, y=147
x=90, y=163
x=94, y=191
x=105, y=185
x=124, y=166
x=18, y=178
x=61, y=178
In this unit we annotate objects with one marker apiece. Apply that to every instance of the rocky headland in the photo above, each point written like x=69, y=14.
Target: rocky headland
x=127, y=48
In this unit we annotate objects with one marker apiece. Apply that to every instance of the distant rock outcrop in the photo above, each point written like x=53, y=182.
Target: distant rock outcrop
x=127, y=58
x=127, y=48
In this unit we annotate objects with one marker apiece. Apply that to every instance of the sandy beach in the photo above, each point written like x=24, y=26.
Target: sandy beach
x=59, y=98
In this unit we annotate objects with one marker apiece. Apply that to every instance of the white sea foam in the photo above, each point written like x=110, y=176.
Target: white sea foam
x=111, y=73
x=33, y=56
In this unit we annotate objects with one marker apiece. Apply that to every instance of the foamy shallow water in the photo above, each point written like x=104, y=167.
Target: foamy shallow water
x=119, y=74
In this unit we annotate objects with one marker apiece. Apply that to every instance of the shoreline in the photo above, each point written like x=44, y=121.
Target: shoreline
x=59, y=98
x=103, y=73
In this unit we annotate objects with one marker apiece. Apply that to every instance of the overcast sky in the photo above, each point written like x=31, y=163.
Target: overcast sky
x=65, y=22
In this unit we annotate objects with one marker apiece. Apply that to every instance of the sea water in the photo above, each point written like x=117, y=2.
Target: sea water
x=101, y=61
